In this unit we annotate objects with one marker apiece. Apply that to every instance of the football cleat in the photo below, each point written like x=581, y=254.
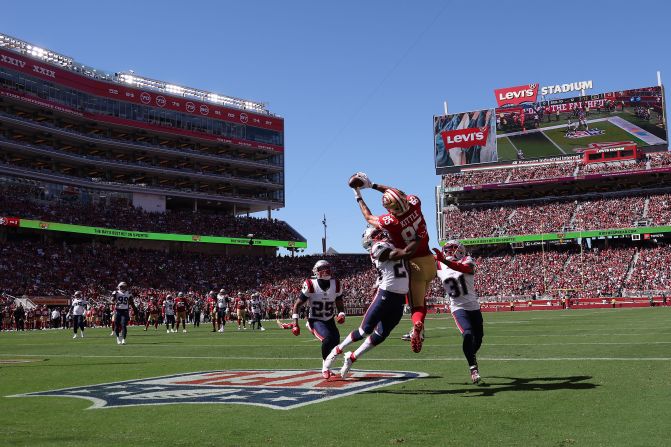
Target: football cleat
x=263, y=329
x=81, y=334
x=184, y=331
x=123, y=341
x=326, y=373
x=475, y=375
x=118, y=340
x=74, y=336
x=328, y=361
x=416, y=338
x=347, y=364
x=167, y=331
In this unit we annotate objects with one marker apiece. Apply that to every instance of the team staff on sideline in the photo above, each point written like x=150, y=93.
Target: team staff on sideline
x=405, y=224
x=386, y=310
x=456, y=271
x=78, y=310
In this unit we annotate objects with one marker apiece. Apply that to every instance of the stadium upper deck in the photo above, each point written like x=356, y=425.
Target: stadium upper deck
x=159, y=144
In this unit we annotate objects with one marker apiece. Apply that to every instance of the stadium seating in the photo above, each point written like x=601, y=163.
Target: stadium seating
x=30, y=202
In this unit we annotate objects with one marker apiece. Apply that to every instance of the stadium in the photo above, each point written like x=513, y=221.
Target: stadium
x=564, y=207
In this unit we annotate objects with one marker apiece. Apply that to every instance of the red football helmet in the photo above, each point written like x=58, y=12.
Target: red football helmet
x=322, y=269
x=395, y=201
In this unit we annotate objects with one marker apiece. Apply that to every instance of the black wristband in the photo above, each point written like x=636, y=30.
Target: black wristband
x=374, y=185
x=359, y=199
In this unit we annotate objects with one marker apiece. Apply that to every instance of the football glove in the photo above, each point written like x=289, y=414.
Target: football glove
x=295, y=329
x=340, y=318
x=364, y=179
x=439, y=255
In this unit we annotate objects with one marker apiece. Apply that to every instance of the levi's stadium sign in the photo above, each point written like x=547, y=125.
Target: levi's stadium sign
x=112, y=232
x=512, y=96
x=465, y=137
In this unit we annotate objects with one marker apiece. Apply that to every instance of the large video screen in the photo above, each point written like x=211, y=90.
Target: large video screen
x=570, y=125
x=551, y=128
x=464, y=138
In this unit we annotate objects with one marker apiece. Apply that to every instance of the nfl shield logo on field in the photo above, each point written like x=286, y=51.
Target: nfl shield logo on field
x=280, y=389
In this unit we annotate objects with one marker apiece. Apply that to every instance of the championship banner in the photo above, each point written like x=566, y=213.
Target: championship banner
x=464, y=138
x=111, y=232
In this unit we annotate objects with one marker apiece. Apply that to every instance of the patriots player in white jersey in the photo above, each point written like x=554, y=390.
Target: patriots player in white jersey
x=222, y=309
x=386, y=310
x=256, y=311
x=78, y=305
x=456, y=272
x=169, y=313
x=122, y=300
x=323, y=296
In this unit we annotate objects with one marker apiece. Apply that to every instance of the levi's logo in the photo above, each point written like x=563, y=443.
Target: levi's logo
x=476, y=136
x=516, y=95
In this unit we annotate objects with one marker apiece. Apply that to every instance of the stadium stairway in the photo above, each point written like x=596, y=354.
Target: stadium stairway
x=632, y=267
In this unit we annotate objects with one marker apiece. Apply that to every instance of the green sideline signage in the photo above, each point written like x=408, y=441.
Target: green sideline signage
x=569, y=235
x=95, y=231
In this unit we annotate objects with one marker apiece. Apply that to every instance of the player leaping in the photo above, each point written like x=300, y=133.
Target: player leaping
x=405, y=224
x=386, y=310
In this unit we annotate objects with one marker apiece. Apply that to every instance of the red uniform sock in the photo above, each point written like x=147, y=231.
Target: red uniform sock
x=418, y=314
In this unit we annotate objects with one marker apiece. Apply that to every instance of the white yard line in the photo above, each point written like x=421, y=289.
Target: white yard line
x=409, y=359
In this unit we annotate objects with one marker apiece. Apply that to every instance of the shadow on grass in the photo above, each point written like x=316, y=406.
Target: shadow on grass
x=494, y=385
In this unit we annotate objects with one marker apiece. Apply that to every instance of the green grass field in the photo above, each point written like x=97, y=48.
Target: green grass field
x=612, y=133
x=535, y=145
x=505, y=149
x=552, y=378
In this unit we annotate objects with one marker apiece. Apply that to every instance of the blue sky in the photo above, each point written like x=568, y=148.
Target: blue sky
x=358, y=82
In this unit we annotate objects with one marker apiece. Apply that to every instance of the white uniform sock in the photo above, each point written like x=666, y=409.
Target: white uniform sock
x=367, y=345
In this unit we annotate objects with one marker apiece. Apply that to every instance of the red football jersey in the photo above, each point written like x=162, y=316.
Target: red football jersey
x=211, y=303
x=180, y=304
x=407, y=227
x=241, y=304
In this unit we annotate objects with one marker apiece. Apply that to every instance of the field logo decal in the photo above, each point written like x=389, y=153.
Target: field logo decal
x=277, y=389
x=584, y=133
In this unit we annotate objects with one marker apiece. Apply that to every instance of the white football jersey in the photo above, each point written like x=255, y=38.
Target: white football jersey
x=169, y=306
x=222, y=301
x=392, y=275
x=321, y=302
x=78, y=306
x=121, y=299
x=459, y=287
x=256, y=306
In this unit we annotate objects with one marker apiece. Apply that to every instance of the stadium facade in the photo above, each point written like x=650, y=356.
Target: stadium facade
x=100, y=137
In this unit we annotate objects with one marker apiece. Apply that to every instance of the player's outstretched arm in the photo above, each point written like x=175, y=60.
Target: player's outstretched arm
x=365, y=211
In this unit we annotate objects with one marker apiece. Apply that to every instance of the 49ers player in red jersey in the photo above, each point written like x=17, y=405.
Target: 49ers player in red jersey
x=405, y=223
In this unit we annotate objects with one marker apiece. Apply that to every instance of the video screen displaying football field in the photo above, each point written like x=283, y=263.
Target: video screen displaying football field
x=569, y=126
x=566, y=135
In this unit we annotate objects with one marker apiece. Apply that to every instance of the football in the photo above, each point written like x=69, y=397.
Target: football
x=355, y=182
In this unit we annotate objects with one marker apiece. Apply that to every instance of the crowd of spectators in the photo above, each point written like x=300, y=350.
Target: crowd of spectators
x=57, y=269
x=552, y=217
x=553, y=170
x=659, y=210
x=30, y=202
x=652, y=270
x=621, y=212
x=544, y=218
